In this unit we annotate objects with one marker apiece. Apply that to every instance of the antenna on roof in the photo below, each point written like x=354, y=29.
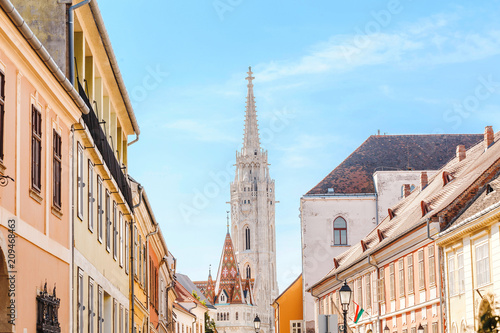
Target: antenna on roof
x=227, y=212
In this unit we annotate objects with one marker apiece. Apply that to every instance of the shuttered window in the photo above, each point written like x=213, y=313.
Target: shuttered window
x=56, y=169
x=36, y=149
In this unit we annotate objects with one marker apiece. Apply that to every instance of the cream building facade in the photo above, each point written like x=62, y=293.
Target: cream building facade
x=355, y=197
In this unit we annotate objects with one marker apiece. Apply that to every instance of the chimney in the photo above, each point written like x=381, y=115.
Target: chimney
x=488, y=136
x=406, y=190
x=461, y=152
x=423, y=180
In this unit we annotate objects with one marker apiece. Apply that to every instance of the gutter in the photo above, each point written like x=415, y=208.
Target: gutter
x=44, y=55
x=379, y=323
x=96, y=13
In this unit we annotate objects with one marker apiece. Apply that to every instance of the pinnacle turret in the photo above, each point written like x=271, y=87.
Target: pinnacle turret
x=251, y=141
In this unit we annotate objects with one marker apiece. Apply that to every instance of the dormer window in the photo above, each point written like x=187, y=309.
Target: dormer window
x=223, y=297
x=489, y=189
x=447, y=177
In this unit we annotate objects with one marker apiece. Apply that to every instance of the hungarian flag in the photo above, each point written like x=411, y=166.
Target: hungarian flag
x=358, y=313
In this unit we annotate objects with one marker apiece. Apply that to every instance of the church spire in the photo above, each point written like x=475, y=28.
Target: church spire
x=251, y=141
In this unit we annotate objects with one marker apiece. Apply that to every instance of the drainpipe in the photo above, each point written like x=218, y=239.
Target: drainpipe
x=132, y=272
x=134, y=141
x=379, y=325
x=72, y=40
x=278, y=310
x=376, y=200
x=193, y=328
x=152, y=233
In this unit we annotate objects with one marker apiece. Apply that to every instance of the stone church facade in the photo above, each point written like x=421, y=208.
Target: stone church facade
x=248, y=286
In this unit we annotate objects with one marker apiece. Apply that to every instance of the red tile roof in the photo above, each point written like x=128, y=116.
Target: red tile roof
x=392, y=152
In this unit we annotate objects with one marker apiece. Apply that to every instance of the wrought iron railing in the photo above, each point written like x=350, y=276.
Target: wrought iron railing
x=102, y=144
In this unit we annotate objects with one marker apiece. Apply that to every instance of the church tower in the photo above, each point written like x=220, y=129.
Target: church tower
x=252, y=216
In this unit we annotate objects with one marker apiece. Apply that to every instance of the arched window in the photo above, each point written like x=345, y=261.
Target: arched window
x=249, y=272
x=218, y=316
x=339, y=231
x=247, y=238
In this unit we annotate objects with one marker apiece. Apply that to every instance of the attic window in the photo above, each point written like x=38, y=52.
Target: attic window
x=222, y=298
x=336, y=263
x=489, y=189
x=425, y=208
x=380, y=235
x=363, y=245
x=447, y=177
x=391, y=214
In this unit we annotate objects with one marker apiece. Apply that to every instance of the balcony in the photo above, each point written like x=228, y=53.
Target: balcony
x=101, y=143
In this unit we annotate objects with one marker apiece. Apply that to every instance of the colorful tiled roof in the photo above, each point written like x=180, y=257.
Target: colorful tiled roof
x=392, y=152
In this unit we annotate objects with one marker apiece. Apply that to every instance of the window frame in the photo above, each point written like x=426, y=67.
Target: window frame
x=56, y=170
x=120, y=237
x=410, y=272
x=79, y=174
x=91, y=306
x=115, y=231
x=342, y=231
x=401, y=266
x=392, y=281
x=431, y=253
x=36, y=149
x=421, y=269
x=100, y=209
x=91, y=200
x=248, y=239
x=487, y=272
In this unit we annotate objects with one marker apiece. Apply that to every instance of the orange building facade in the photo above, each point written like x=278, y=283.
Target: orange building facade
x=288, y=309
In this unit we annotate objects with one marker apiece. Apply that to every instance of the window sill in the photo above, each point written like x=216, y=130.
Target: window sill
x=340, y=245
x=35, y=196
x=57, y=212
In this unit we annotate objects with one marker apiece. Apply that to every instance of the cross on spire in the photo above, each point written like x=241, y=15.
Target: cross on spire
x=227, y=217
x=251, y=141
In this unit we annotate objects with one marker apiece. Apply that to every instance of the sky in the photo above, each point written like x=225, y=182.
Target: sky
x=328, y=74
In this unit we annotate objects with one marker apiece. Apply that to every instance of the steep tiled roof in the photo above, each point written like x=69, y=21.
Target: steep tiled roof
x=444, y=200
x=392, y=152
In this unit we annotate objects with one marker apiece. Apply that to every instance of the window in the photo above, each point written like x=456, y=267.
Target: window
x=381, y=286
x=413, y=330
x=368, y=291
x=339, y=231
x=421, y=269
x=136, y=251
x=410, y=273
x=120, y=221
x=126, y=321
x=461, y=277
x=222, y=298
x=80, y=182
x=249, y=272
x=401, y=278
x=100, y=304
x=91, y=306
x=139, y=272
x=451, y=275
x=295, y=326
x=121, y=319
x=144, y=272
x=432, y=265
x=360, y=292
x=100, y=210
x=482, y=264
x=435, y=327
x=392, y=281
x=36, y=149
x=127, y=239
x=80, y=301
x=115, y=231
x=247, y=238
x=115, y=317
x=2, y=112
x=91, y=196
x=236, y=315
x=56, y=169
x=108, y=221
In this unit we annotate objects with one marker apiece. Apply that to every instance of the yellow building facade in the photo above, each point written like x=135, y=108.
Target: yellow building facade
x=288, y=309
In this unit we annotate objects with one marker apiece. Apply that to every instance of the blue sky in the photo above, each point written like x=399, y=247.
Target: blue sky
x=328, y=75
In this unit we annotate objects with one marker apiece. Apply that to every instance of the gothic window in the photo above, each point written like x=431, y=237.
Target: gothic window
x=247, y=238
x=222, y=298
x=249, y=272
x=340, y=231
x=47, y=314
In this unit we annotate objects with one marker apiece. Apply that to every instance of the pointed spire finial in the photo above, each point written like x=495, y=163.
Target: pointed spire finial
x=227, y=213
x=210, y=270
x=250, y=77
x=251, y=141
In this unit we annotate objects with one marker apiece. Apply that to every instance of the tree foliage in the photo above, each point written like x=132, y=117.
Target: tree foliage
x=488, y=319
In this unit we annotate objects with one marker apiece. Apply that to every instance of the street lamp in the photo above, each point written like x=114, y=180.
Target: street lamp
x=420, y=328
x=387, y=329
x=256, y=323
x=345, y=298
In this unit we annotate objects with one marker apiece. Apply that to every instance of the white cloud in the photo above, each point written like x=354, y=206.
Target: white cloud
x=429, y=41
x=202, y=130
